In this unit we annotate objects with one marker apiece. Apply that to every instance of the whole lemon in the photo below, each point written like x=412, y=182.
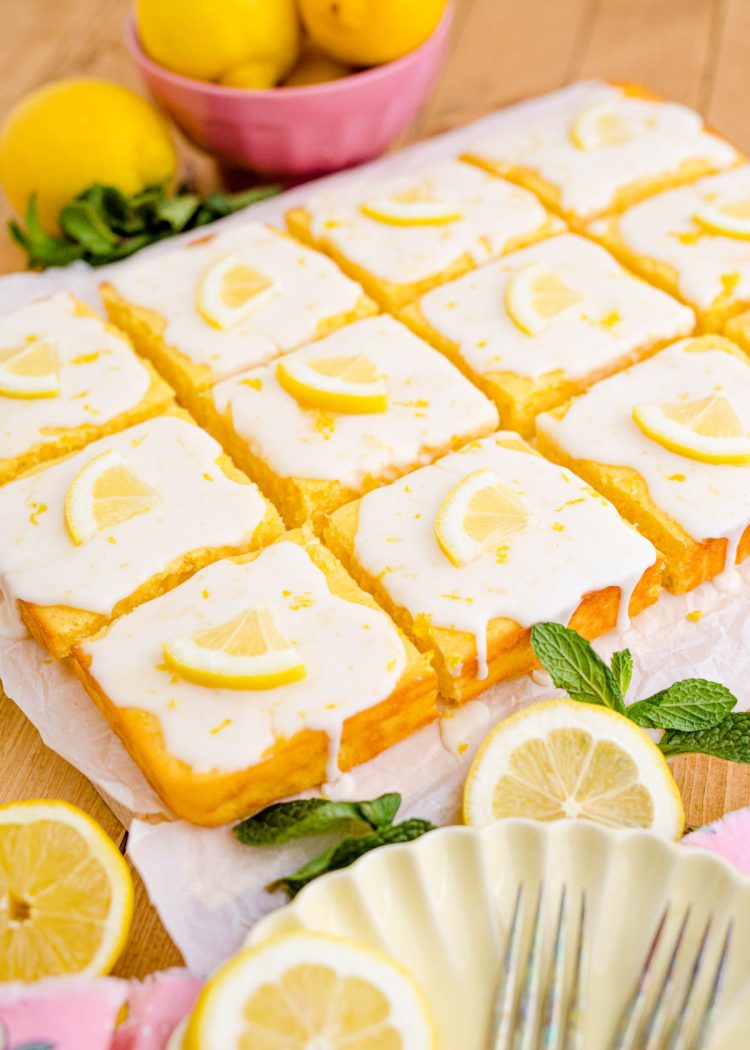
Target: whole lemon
x=369, y=32
x=247, y=43
x=66, y=135
x=314, y=67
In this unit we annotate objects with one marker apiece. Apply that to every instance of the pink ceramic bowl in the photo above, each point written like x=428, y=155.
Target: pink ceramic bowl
x=300, y=130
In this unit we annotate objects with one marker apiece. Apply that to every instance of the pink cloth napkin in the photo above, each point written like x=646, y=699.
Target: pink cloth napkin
x=728, y=837
x=79, y=1014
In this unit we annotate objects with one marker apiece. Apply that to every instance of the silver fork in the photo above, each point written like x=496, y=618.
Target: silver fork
x=540, y=1006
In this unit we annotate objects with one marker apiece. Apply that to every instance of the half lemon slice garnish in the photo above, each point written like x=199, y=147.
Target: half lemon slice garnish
x=478, y=515
x=535, y=295
x=30, y=371
x=563, y=758
x=406, y=212
x=247, y=652
x=104, y=493
x=230, y=290
x=707, y=429
x=599, y=126
x=310, y=991
x=66, y=895
x=338, y=383
x=732, y=220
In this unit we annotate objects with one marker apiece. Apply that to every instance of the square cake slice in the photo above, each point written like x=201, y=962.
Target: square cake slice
x=543, y=323
x=260, y=677
x=668, y=442
x=403, y=234
x=89, y=537
x=469, y=553
x=67, y=378
x=693, y=242
x=343, y=415
x=595, y=147
x=227, y=301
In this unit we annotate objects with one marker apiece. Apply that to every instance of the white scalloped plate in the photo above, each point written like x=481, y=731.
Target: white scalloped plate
x=440, y=906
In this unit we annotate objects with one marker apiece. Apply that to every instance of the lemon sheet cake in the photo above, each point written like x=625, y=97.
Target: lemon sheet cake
x=543, y=323
x=469, y=553
x=693, y=241
x=595, y=147
x=343, y=415
x=67, y=378
x=88, y=537
x=668, y=442
x=228, y=301
x=403, y=234
x=260, y=677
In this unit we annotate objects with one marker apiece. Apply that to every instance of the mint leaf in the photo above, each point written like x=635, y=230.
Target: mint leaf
x=286, y=821
x=622, y=669
x=574, y=666
x=690, y=705
x=347, y=851
x=730, y=739
x=42, y=249
x=82, y=222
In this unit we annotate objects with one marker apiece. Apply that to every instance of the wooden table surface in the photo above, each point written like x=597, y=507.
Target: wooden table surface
x=695, y=51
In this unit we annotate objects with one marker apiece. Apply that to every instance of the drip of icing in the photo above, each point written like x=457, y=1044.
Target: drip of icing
x=459, y=726
x=198, y=507
x=341, y=788
x=430, y=405
x=660, y=137
x=575, y=544
x=541, y=677
x=100, y=376
x=664, y=228
x=494, y=213
x=353, y=655
x=312, y=290
x=708, y=500
x=470, y=313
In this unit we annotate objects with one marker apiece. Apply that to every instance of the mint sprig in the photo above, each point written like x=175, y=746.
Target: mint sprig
x=697, y=715
x=347, y=851
x=287, y=821
x=102, y=224
x=369, y=825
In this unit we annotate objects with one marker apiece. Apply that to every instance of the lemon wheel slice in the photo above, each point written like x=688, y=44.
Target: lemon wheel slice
x=731, y=219
x=478, y=514
x=598, y=127
x=338, y=383
x=707, y=429
x=564, y=758
x=309, y=991
x=66, y=895
x=535, y=296
x=30, y=371
x=397, y=211
x=103, y=494
x=246, y=652
x=230, y=290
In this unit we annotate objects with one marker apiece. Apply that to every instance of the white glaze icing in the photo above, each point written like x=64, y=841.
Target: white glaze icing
x=494, y=213
x=458, y=726
x=664, y=228
x=198, y=506
x=660, y=137
x=310, y=291
x=575, y=543
x=429, y=404
x=616, y=315
x=708, y=500
x=100, y=376
x=353, y=655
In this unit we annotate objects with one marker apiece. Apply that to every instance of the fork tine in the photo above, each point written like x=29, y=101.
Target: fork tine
x=711, y=1008
x=679, y=1031
x=553, y=1015
x=656, y=1025
x=632, y=1016
x=528, y=1007
x=576, y=1004
x=501, y=1025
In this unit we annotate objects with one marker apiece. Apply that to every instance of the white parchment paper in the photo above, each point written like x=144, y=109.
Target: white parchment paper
x=208, y=889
